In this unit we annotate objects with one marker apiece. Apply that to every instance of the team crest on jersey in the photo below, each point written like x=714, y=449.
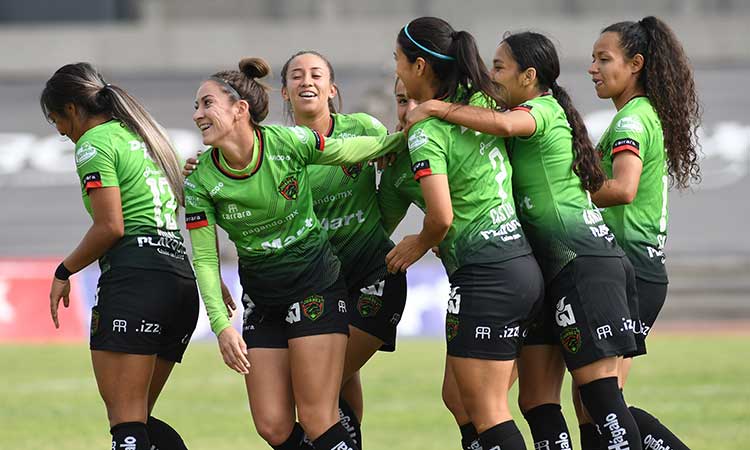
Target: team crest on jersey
x=94, y=321
x=352, y=171
x=312, y=307
x=84, y=153
x=368, y=305
x=289, y=188
x=451, y=326
x=571, y=339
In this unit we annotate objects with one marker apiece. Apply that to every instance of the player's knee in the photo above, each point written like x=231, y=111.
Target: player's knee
x=452, y=401
x=530, y=399
x=275, y=432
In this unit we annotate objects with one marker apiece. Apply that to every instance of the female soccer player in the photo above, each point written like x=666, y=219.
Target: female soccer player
x=147, y=301
x=586, y=274
x=465, y=180
x=650, y=144
x=253, y=183
x=344, y=200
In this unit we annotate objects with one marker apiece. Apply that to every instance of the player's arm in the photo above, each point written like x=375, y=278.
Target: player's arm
x=437, y=221
x=517, y=122
x=107, y=229
x=393, y=207
x=622, y=188
x=335, y=152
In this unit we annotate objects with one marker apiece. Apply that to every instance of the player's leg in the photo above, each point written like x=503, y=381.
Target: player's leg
x=123, y=380
x=452, y=401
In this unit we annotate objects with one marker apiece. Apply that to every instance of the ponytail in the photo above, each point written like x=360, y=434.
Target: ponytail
x=667, y=79
x=242, y=84
x=586, y=161
x=127, y=110
x=535, y=50
x=453, y=57
x=84, y=86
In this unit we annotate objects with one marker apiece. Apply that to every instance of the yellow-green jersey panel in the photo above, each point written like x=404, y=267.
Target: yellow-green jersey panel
x=397, y=190
x=555, y=210
x=267, y=208
x=345, y=202
x=485, y=226
x=111, y=155
x=640, y=227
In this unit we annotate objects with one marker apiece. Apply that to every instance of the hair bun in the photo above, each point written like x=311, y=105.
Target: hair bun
x=254, y=67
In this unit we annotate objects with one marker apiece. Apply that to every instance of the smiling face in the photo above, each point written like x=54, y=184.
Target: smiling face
x=611, y=71
x=414, y=75
x=506, y=73
x=216, y=113
x=403, y=103
x=67, y=123
x=308, y=85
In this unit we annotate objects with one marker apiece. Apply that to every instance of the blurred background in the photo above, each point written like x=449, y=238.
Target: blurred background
x=160, y=50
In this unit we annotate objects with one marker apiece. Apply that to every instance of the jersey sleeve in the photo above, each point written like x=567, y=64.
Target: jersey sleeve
x=96, y=163
x=393, y=207
x=428, y=144
x=539, y=115
x=628, y=134
x=371, y=125
x=199, y=208
x=206, y=263
x=316, y=149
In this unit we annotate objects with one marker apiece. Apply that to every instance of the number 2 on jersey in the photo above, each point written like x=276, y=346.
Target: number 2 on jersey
x=497, y=158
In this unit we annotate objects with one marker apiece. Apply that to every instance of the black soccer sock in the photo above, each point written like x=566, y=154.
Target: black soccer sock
x=604, y=403
x=590, y=437
x=163, y=436
x=469, y=437
x=654, y=434
x=505, y=436
x=548, y=427
x=130, y=436
x=350, y=422
x=296, y=440
x=335, y=438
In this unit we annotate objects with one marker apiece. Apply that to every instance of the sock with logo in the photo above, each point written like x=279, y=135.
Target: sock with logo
x=335, y=438
x=590, y=437
x=654, y=434
x=505, y=436
x=163, y=436
x=130, y=436
x=548, y=427
x=606, y=406
x=296, y=440
x=350, y=422
x=469, y=437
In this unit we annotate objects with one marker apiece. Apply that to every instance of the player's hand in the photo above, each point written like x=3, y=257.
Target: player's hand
x=234, y=350
x=191, y=164
x=406, y=253
x=418, y=114
x=385, y=161
x=436, y=251
x=228, y=300
x=60, y=289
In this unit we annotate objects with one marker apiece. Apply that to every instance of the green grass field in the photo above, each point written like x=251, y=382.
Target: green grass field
x=48, y=398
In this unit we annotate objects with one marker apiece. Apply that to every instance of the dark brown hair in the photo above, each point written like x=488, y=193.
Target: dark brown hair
x=245, y=84
x=82, y=85
x=535, y=50
x=461, y=72
x=667, y=79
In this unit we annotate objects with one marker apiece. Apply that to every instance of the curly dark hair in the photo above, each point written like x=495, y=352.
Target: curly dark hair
x=667, y=79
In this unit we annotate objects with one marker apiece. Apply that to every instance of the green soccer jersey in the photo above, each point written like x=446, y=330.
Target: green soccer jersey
x=344, y=200
x=267, y=211
x=398, y=190
x=556, y=212
x=485, y=226
x=111, y=155
x=640, y=227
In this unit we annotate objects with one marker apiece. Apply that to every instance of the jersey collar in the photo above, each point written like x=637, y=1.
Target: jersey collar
x=241, y=176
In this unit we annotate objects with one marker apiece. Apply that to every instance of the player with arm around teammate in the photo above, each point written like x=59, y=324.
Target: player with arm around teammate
x=650, y=144
x=253, y=183
x=147, y=300
x=587, y=277
x=465, y=180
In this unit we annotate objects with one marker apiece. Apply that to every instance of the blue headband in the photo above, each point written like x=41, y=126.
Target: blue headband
x=425, y=49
